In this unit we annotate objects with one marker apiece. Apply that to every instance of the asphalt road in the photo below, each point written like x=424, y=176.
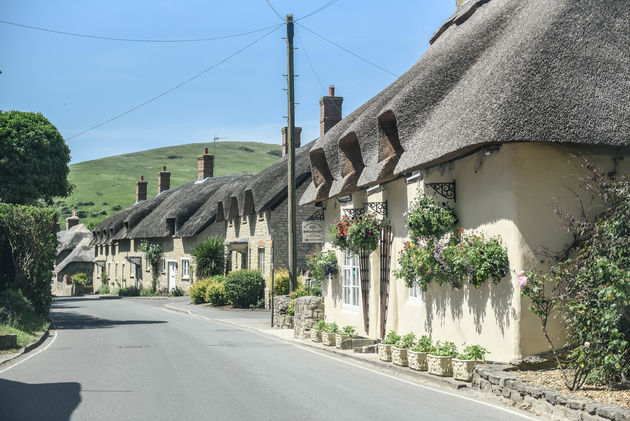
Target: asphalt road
x=135, y=360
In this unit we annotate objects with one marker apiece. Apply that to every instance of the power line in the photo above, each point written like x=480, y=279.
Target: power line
x=309, y=61
x=318, y=10
x=348, y=51
x=274, y=10
x=37, y=28
x=178, y=85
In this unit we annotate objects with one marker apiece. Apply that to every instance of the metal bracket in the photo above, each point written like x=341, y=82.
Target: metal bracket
x=377, y=207
x=318, y=215
x=354, y=213
x=446, y=190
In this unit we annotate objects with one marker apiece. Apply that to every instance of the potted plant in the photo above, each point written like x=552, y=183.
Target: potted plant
x=417, y=354
x=316, y=332
x=343, y=339
x=328, y=334
x=399, y=350
x=322, y=264
x=364, y=233
x=339, y=232
x=464, y=364
x=439, y=361
x=385, y=348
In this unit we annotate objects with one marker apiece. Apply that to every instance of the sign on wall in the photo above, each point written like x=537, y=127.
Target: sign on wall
x=313, y=231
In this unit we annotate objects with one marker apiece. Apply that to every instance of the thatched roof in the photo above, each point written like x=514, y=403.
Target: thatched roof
x=497, y=71
x=179, y=206
x=76, y=240
x=206, y=214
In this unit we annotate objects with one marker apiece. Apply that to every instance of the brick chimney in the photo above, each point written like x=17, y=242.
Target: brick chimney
x=72, y=221
x=164, y=180
x=141, y=189
x=285, y=139
x=330, y=110
x=205, y=165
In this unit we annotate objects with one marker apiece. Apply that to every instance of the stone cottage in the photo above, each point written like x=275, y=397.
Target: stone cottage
x=486, y=122
x=74, y=255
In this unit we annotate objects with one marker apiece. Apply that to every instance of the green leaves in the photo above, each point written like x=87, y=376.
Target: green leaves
x=427, y=219
x=209, y=257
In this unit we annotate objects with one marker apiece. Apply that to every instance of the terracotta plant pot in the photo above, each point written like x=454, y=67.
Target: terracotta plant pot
x=384, y=352
x=316, y=335
x=399, y=356
x=328, y=339
x=440, y=366
x=417, y=360
x=464, y=369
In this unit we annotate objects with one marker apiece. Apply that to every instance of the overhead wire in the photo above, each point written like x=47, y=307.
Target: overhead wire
x=330, y=3
x=274, y=10
x=74, y=34
x=179, y=85
x=348, y=51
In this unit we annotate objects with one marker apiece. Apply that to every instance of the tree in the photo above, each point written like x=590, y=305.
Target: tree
x=33, y=159
x=209, y=257
x=153, y=254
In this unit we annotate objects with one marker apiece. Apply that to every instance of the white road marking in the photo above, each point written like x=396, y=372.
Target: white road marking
x=31, y=356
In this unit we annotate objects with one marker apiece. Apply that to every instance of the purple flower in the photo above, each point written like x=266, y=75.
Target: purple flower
x=522, y=279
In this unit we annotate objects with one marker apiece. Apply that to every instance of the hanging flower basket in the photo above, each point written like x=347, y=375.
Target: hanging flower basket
x=339, y=232
x=322, y=264
x=364, y=233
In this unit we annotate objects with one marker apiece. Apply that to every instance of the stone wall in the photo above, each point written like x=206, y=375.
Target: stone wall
x=496, y=380
x=280, y=317
x=308, y=311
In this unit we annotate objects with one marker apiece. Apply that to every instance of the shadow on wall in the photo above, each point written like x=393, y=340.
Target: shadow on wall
x=45, y=401
x=440, y=299
x=75, y=321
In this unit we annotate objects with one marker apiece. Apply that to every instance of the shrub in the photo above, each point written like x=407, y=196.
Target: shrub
x=13, y=307
x=445, y=349
x=391, y=338
x=473, y=352
x=244, y=287
x=197, y=291
x=127, y=292
x=80, y=279
x=215, y=291
x=103, y=290
x=209, y=257
x=147, y=292
x=153, y=254
x=177, y=292
x=281, y=281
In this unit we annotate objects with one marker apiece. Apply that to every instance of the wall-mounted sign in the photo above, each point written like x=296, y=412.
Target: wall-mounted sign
x=313, y=231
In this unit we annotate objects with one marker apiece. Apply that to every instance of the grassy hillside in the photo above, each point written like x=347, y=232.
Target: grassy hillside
x=105, y=186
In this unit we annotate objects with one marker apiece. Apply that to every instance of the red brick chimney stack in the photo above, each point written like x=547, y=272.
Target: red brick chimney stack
x=72, y=221
x=205, y=165
x=285, y=139
x=141, y=189
x=164, y=180
x=330, y=110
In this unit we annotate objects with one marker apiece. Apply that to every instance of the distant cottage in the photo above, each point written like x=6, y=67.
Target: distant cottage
x=485, y=122
x=74, y=255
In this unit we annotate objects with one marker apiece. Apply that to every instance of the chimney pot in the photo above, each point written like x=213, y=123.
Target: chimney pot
x=72, y=221
x=205, y=151
x=330, y=110
x=163, y=167
x=142, y=178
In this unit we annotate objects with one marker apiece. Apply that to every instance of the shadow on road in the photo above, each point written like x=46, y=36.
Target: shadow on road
x=68, y=320
x=45, y=401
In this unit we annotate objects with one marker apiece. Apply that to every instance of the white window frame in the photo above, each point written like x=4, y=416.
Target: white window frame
x=415, y=292
x=261, y=265
x=350, y=281
x=185, y=268
x=163, y=265
x=148, y=265
x=109, y=269
x=131, y=266
x=116, y=270
x=123, y=275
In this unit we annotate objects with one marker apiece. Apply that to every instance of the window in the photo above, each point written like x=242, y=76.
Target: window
x=350, y=274
x=163, y=265
x=131, y=270
x=116, y=271
x=261, y=260
x=148, y=265
x=123, y=274
x=109, y=269
x=185, y=268
x=415, y=292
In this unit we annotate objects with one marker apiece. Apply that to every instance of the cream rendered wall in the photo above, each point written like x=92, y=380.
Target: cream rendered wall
x=510, y=193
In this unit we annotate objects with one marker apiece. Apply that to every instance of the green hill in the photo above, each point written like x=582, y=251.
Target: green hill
x=105, y=186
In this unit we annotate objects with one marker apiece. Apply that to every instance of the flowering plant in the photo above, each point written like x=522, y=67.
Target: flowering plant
x=364, y=233
x=339, y=232
x=426, y=218
x=418, y=266
x=322, y=263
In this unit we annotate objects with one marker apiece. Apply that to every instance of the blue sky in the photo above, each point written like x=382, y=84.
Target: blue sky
x=78, y=83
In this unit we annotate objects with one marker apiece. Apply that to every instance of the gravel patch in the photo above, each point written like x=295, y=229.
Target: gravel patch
x=553, y=379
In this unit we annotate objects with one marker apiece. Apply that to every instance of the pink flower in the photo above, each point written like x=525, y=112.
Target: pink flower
x=522, y=279
x=587, y=344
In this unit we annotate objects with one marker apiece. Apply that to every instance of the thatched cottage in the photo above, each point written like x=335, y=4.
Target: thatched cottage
x=485, y=121
x=74, y=255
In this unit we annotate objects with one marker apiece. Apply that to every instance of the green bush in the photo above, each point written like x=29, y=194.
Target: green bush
x=13, y=307
x=209, y=257
x=177, y=292
x=128, y=292
x=281, y=281
x=391, y=338
x=473, y=352
x=146, y=292
x=424, y=344
x=244, y=287
x=445, y=349
x=197, y=291
x=215, y=291
x=103, y=290
x=80, y=279
x=406, y=341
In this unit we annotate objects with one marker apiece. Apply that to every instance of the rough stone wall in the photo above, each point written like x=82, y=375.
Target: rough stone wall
x=308, y=311
x=280, y=317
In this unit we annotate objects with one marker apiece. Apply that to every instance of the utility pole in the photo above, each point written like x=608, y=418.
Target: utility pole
x=291, y=157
